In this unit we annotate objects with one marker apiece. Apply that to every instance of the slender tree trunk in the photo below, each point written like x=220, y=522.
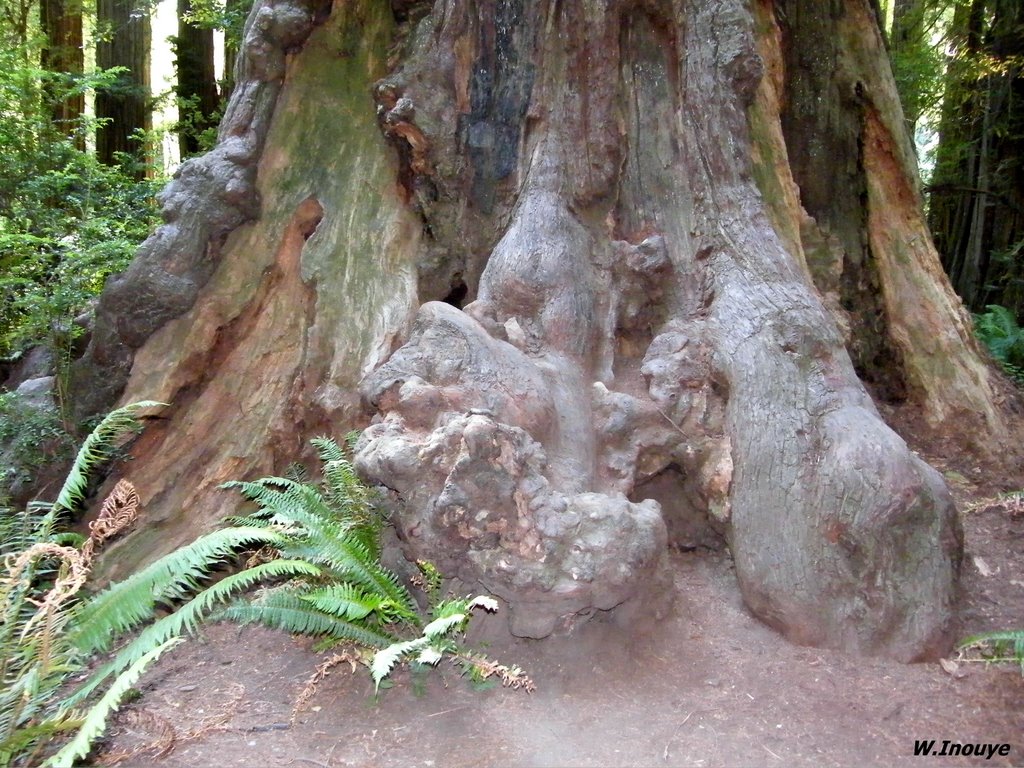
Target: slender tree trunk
x=15, y=17
x=64, y=56
x=589, y=274
x=906, y=36
x=125, y=106
x=197, y=81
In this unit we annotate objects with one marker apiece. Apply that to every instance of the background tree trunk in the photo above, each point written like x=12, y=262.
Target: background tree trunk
x=125, y=106
x=976, y=198
x=907, y=36
x=597, y=272
x=63, y=55
x=197, y=81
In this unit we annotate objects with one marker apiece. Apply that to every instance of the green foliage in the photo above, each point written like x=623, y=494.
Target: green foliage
x=99, y=447
x=124, y=606
x=226, y=15
x=998, y=330
x=1006, y=645
x=66, y=220
x=283, y=608
x=34, y=436
x=450, y=617
x=335, y=527
x=196, y=124
x=127, y=604
x=317, y=559
x=95, y=722
x=917, y=52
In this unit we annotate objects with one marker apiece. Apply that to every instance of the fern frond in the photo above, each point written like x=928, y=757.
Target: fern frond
x=285, y=610
x=327, y=449
x=130, y=602
x=385, y=660
x=452, y=607
x=429, y=655
x=30, y=735
x=328, y=536
x=96, y=719
x=352, y=561
x=351, y=439
x=1009, y=642
x=97, y=449
x=290, y=502
x=349, y=601
x=438, y=628
x=464, y=605
x=188, y=616
x=1014, y=636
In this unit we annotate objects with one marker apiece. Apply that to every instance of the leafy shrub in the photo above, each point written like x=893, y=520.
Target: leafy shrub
x=66, y=220
x=33, y=437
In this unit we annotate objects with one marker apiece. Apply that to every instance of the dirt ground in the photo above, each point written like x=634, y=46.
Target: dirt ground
x=709, y=686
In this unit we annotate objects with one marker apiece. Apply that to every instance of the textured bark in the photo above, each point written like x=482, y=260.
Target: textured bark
x=577, y=266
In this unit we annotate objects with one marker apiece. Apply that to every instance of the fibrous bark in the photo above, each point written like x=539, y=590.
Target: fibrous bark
x=567, y=266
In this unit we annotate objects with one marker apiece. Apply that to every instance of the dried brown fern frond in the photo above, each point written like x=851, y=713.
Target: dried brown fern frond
x=1011, y=503
x=511, y=677
x=262, y=555
x=73, y=572
x=167, y=734
x=348, y=656
x=119, y=511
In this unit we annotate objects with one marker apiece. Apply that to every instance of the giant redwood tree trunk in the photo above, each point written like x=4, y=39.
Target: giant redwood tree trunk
x=581, y=270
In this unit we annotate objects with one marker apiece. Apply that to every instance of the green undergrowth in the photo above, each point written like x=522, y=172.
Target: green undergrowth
x=998, y=330
x=41, y=607
x=351, y=599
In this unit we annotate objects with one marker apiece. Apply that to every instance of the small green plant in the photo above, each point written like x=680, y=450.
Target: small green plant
x=998, y=330
x=317, y=561
x=994, y=647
